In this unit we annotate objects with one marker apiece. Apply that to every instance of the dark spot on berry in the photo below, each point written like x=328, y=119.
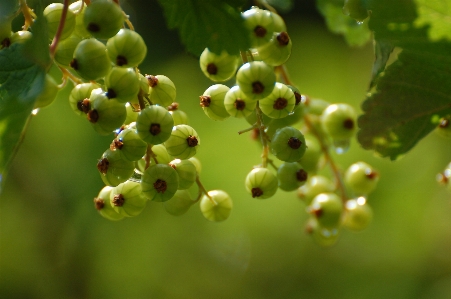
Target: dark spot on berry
x=205, y=101
x=116, y=144
x=93, y=27
x=444, y=123
x=280, y=104
x=294, y=143
x=298, y=98
x=160, y=186
x=84, y=105
x=239, y=104
x=283, y=38
x=174, y=106
x=99, y=203
x=74, y=64
x=118, y=200
x=370, y=174
x=93, y=116
x=317, y=212
x=121, y=60
x=256, y=192
x=5, y=43
x=212, y=69
x=192, y=141
x=152, y=80
x=155, y=129
x=102, y=165
x=257, y=87
x=301, y=175
x=260, y=31
x=348, y=124
x=173, y=166
x=111, y=94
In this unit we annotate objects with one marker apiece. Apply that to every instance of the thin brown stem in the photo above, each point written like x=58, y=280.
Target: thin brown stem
x=60, y=29
x=247, y=130
x=203, y=190
x=67, y=74
x=28, y=14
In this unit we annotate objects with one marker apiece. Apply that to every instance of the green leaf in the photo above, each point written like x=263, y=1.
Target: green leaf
x=355, y=34
x=8, y=8
x=382, y=50
x=437, y=15
x=282, y=6
x=207, y=23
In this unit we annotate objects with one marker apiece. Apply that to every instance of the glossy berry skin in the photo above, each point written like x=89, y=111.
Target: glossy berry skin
x=160, y=182
x=186, y=171
x=290, y=120
x=197, y=164
x=161, y=90
x=20, y=37
x=79, y=29
x=288, y=144
x=114, y=169
x=65, y=50
x=130, y=145
x=236, y=103
x=279, y=103
x=325, y=237
x=132, y=115
x=291, y=176
x=105, y=115
x=154, y=124
x=277, y=51
x=218, y=68
x=315, y=185
x=358, y=214
x=261, y=183
x=312, y=155
x=339, y=121
x=260, y=24
x=79, y=98
x=127, y=199
x=217, y=207
x=103, y=18
x=126, y=48
x=179, y=117
x=53, y=13
x=183, y=142
x=102, y=204
x=122, y=84
x=256, y=79
x=361, y=178
x=90, y=59
x=279, y=23
x=179, y=204
x=212, y=102
x=48, y=94
x=328, y=209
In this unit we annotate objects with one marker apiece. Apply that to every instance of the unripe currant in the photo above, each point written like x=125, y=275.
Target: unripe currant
x=103, y=205
x=132, y=115
x=103, y=18
x=52, y=14
x=105, y=115
x=339, y=121
x=288, y=144
x=160, y=182
x=312, y=155
x=186, y=171
x=48, y=94
x=216, y=206
x=328, y=209
x=315, y=185
x=261, y=183
x=79, y=98
x=179, y=117
x=161, y=90
x=277, y=50
x=361, y=178
x=122, y=84
x=260, y=23
x=154, y=124
x=179, y=204
x=114, y=169
x=129, y=144
x=20, y=37
x=236, y=103
x=325, y=237
x=290, y=120
x=256, y=79
x=183, y=142
x=218, y=68
x=316, y=106
x=358, y=214
x=279, y=103
x=90, y=60
x=291, y=176
x=127, y=199
x=79, y=29
x=127, y=48
x=279, y=23
x=65, y=50
x=212, y=102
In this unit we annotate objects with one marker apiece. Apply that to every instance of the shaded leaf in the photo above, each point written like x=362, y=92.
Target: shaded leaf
x=382, y=51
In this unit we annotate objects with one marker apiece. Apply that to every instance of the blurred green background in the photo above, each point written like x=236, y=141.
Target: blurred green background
x=53, y=243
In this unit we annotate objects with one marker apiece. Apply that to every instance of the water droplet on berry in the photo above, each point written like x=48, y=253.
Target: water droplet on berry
x=341, y=146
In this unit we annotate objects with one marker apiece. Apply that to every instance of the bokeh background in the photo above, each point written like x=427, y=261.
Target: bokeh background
x=53, y=243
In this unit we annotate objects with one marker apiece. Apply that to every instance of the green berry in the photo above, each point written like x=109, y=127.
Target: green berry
x=312, y=155
x=216, y=206
x=160, y=182
x=256, y=79
x=154, y=124
x=186, y=171
x=90, y=60
x=291, y=119
x=355, y=9
x=361, y=178
x=80, y=29
x=103, y=205
x=339, y=121
x=122, y=84
x=52, y=13
x=127, y=48
x=132, y=115
x=161, y=90
x=20, y=37
x=315, y=185
x=114, y=169
x=316, y=106
x=260, y=23
x=105, y=115
x=160, y=155
x=328, y=209
x=212, y=102
x=288, y=144
x=128, y=199
x=179, y=117
x=358, y=214
x=130, y=145
x=79, y=98
x=325, y=237
x=179, y=204
x=277, y=51
x=197, y=164
x=65, y=50
x=103, y=18
x=252, y=119
x=48, y=94
x=279, y=103
x=279, y=23
x=291, y=176
x=218, y=68
x=183, y=142
x=236, y=103
x=261, y=183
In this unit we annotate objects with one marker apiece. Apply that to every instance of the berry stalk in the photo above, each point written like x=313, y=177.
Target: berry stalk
x=59, y=31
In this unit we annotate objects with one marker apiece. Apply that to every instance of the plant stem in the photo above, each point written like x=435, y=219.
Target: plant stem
x=203, y=190
x=263, y=136
x=27, y=14
x=59, y=31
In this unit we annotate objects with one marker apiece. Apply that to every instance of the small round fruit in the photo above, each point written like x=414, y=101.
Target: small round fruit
x=315, y=185
x=279, y=23
x=261, y=25
x=179, y=117
x=79, y=29
x=279, y=103
x=288, y=144
x=328, y=209
x=122, y=84
x=218, y=68
x=358, y=214
x=20, y=37
x=90, y=60
x=179, y=204
x=127, y=48
x=197, y=164
x=103, y=18
x=183, y=142
x=256, y=79
x=154, y=124
x=130, y=145
x=114, y=169
x=361, y=178
x=79, y=98
x=65, y=50
x=186, y=171
x=236, y=103
x=127, y=199
x=325, y=237
x=161, y=90
x=291, y=176
x=102, y=204
x=216, y=206
x=261, y=183
x=159, y=182
x=48, y=94
x=212, y=102
x=291, y=119
x=132, y=115
x=339, y=121
x=52, y=14
x=277, y=51
x=312, y=155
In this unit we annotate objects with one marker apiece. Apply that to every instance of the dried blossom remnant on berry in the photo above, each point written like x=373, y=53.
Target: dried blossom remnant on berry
x=155, y=129
x=74, y=64
x=301, y=175
x=205, y=101
x=174, y=106
x=121, y=60
x=257, y=87
x=294, y=143
x=93, y=27
x=111, y=94
x=212, y=69
x=283, y=38
x=192, y=141
x=99, y=203
x=256, y=192
x=260, y=31
x=280, y=104
x=93, y=116
x=239, y=104
x=84, y=105
x=116, y=144
x=444, y=123
x=5, y=43
x=298, y=97
x=102, y=165
x=118, y=200
x=160, y=186
x=348, y=123
x=152, y=80
x=370, y=174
